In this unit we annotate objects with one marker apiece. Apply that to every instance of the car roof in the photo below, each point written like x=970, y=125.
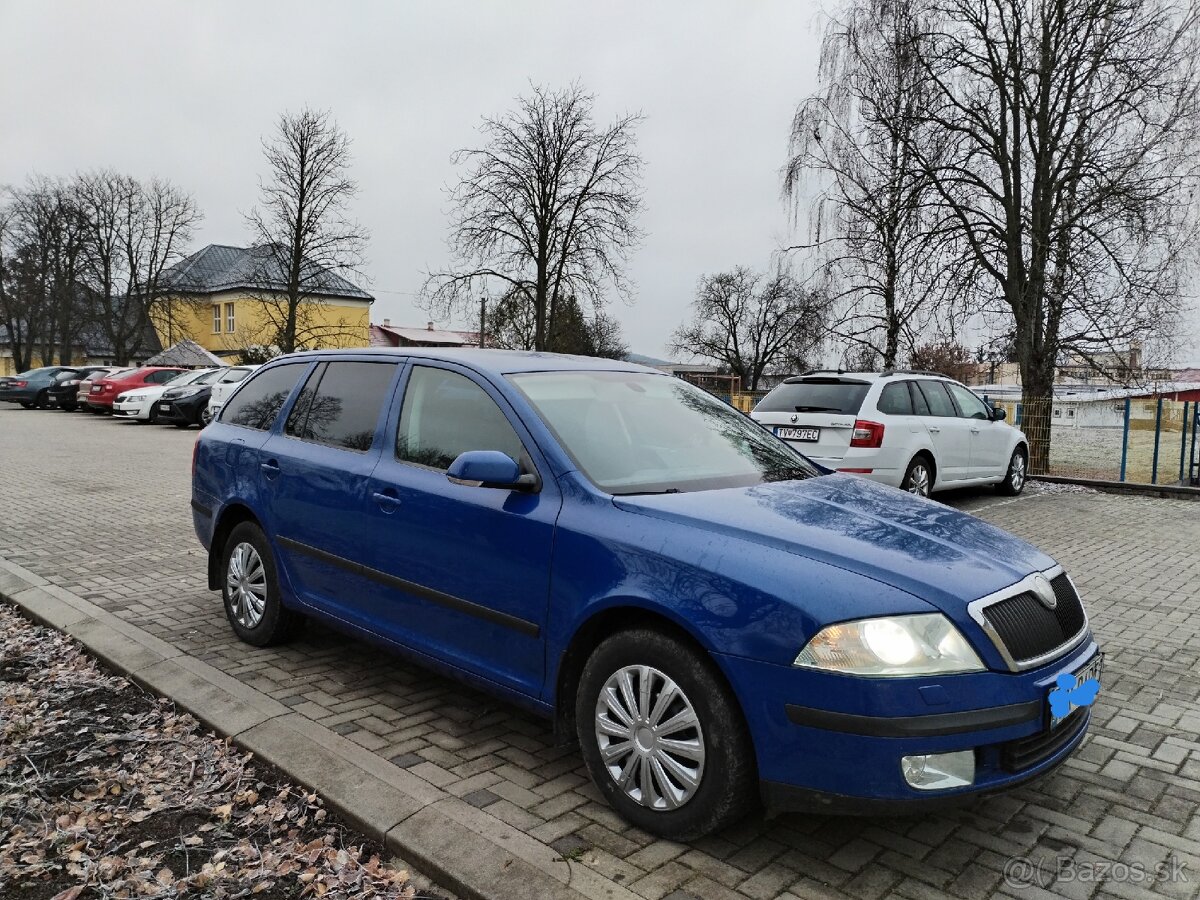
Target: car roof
x=826, y=374
x=494, y=362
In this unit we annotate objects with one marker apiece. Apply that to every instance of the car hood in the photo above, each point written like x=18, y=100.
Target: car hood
x=929, y=550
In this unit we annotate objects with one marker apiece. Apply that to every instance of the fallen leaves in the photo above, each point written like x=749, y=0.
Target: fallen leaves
x=105, y=788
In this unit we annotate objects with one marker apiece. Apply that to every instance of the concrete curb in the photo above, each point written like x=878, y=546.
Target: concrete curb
x=463, y=849
x=1168, y=491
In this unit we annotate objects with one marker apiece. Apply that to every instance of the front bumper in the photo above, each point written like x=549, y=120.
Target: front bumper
x=844, y=755
x=132, y=409
x=182, y=410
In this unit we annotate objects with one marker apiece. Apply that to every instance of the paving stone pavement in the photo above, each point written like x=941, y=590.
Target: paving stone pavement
x=100, y=508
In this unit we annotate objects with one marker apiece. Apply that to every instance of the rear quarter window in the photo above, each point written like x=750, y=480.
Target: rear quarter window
x=895, y=400
x=261, y=398
x=827, y=395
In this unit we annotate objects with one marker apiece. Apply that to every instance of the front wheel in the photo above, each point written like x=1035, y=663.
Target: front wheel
x=663, y=737
x=251, y=589
x=1015, y=477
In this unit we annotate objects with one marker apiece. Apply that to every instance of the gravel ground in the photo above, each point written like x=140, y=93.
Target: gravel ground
x=108, y=792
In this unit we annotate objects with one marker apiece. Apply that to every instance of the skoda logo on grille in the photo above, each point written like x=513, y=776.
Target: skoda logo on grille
x=1043, y=590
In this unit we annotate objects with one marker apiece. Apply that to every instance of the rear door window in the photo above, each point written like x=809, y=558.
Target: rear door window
x=816, y=395
x=340, y=404
x=258, y=403
x=937, y=399
x=895, y=400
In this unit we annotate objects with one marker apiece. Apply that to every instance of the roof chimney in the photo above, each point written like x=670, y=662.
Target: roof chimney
x=387, y=322
x=429, y=326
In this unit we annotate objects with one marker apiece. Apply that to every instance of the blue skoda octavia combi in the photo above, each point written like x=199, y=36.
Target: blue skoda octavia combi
x=715, y=618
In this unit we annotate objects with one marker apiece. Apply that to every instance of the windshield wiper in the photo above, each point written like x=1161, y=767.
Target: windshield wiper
x=647, y=493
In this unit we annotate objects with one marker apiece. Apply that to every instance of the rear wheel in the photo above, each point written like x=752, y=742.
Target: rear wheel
x=42, y=400
x=25, y=404
x=663, y=737
x=1015, y=477
x=918, y=477
x=251, y=589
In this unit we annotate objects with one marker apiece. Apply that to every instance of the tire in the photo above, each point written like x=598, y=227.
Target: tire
x=263, y=620
x=919, y=476
x=726, y=785
x=25, y=404
x=182, y=424
x=42, y=400
x=1016, y=475
x=68, y=407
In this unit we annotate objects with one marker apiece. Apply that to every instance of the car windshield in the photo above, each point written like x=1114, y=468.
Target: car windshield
x=819, y=395
x=33, y=372
x=638, y=433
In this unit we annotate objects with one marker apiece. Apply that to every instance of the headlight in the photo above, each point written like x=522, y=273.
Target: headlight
x=185, y=392
x=924, y=644
x=131, y=398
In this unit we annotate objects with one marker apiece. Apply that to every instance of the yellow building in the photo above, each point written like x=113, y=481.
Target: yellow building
x=231, y=300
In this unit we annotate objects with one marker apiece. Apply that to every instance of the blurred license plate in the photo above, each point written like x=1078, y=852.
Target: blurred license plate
x=1090, y=670
x=799, y=434
x=164, y=407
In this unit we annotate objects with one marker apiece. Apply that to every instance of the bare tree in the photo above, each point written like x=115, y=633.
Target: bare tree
x=749, y=323
x=305, y=241
x=134, y=232
x=1071, y=170
x=947, y=357
x=875, y=228
x=546, y=210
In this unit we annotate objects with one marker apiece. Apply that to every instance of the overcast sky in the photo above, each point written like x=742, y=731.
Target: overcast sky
x=187, y=91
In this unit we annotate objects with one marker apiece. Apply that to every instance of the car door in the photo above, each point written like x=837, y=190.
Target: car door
x=314, y=474
x=989, y=445
x=464, y=570
x=950, y=435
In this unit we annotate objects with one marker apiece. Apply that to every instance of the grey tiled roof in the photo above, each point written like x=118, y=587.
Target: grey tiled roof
x=218, y=267
x=185, y=353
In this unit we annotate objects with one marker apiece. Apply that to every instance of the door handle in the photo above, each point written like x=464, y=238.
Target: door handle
x=270, y=469
x=387, y=500
x=974, y=431
x=935, y=429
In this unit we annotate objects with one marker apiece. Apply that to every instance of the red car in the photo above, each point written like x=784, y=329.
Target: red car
x=105, y=390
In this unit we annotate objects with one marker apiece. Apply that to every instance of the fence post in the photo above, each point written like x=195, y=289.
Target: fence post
x=1125, y=439
x=1183, y=441
x=1195, y=479
x=1157, y=435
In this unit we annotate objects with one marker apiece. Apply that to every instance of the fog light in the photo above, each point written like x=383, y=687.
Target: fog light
x=938, y=771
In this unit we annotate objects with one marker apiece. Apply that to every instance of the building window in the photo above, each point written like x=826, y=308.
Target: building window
x=1057, y=413
x=216, y=318
x=1070, y=413
x=229, y=318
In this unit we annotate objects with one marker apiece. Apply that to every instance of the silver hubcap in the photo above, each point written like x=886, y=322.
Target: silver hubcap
x=918, y=481
x=650, y=738
x=246, y=583
x=1016, y=470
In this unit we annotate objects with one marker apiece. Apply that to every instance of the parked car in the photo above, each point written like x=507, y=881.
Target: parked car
x=85, y=386
x=64, y=393
x=713, y=616
x=225, y=386
x=105, y=390
x=139, y=403
x=916, y=431
x=183, y=405
x=32, y=388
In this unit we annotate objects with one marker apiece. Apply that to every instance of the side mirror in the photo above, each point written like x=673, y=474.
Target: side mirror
x=999, y=414
x=489, y=468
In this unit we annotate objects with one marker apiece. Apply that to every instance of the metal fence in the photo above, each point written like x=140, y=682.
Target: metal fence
x=1147, y=440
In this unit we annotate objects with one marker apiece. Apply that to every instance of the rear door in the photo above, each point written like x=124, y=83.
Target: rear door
x=315, y=472
x=950, y=434
x=814, y=413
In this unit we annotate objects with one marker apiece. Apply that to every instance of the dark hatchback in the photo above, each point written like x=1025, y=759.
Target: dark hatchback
x=64, y=393
x=32, y=388
x=183, y=406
